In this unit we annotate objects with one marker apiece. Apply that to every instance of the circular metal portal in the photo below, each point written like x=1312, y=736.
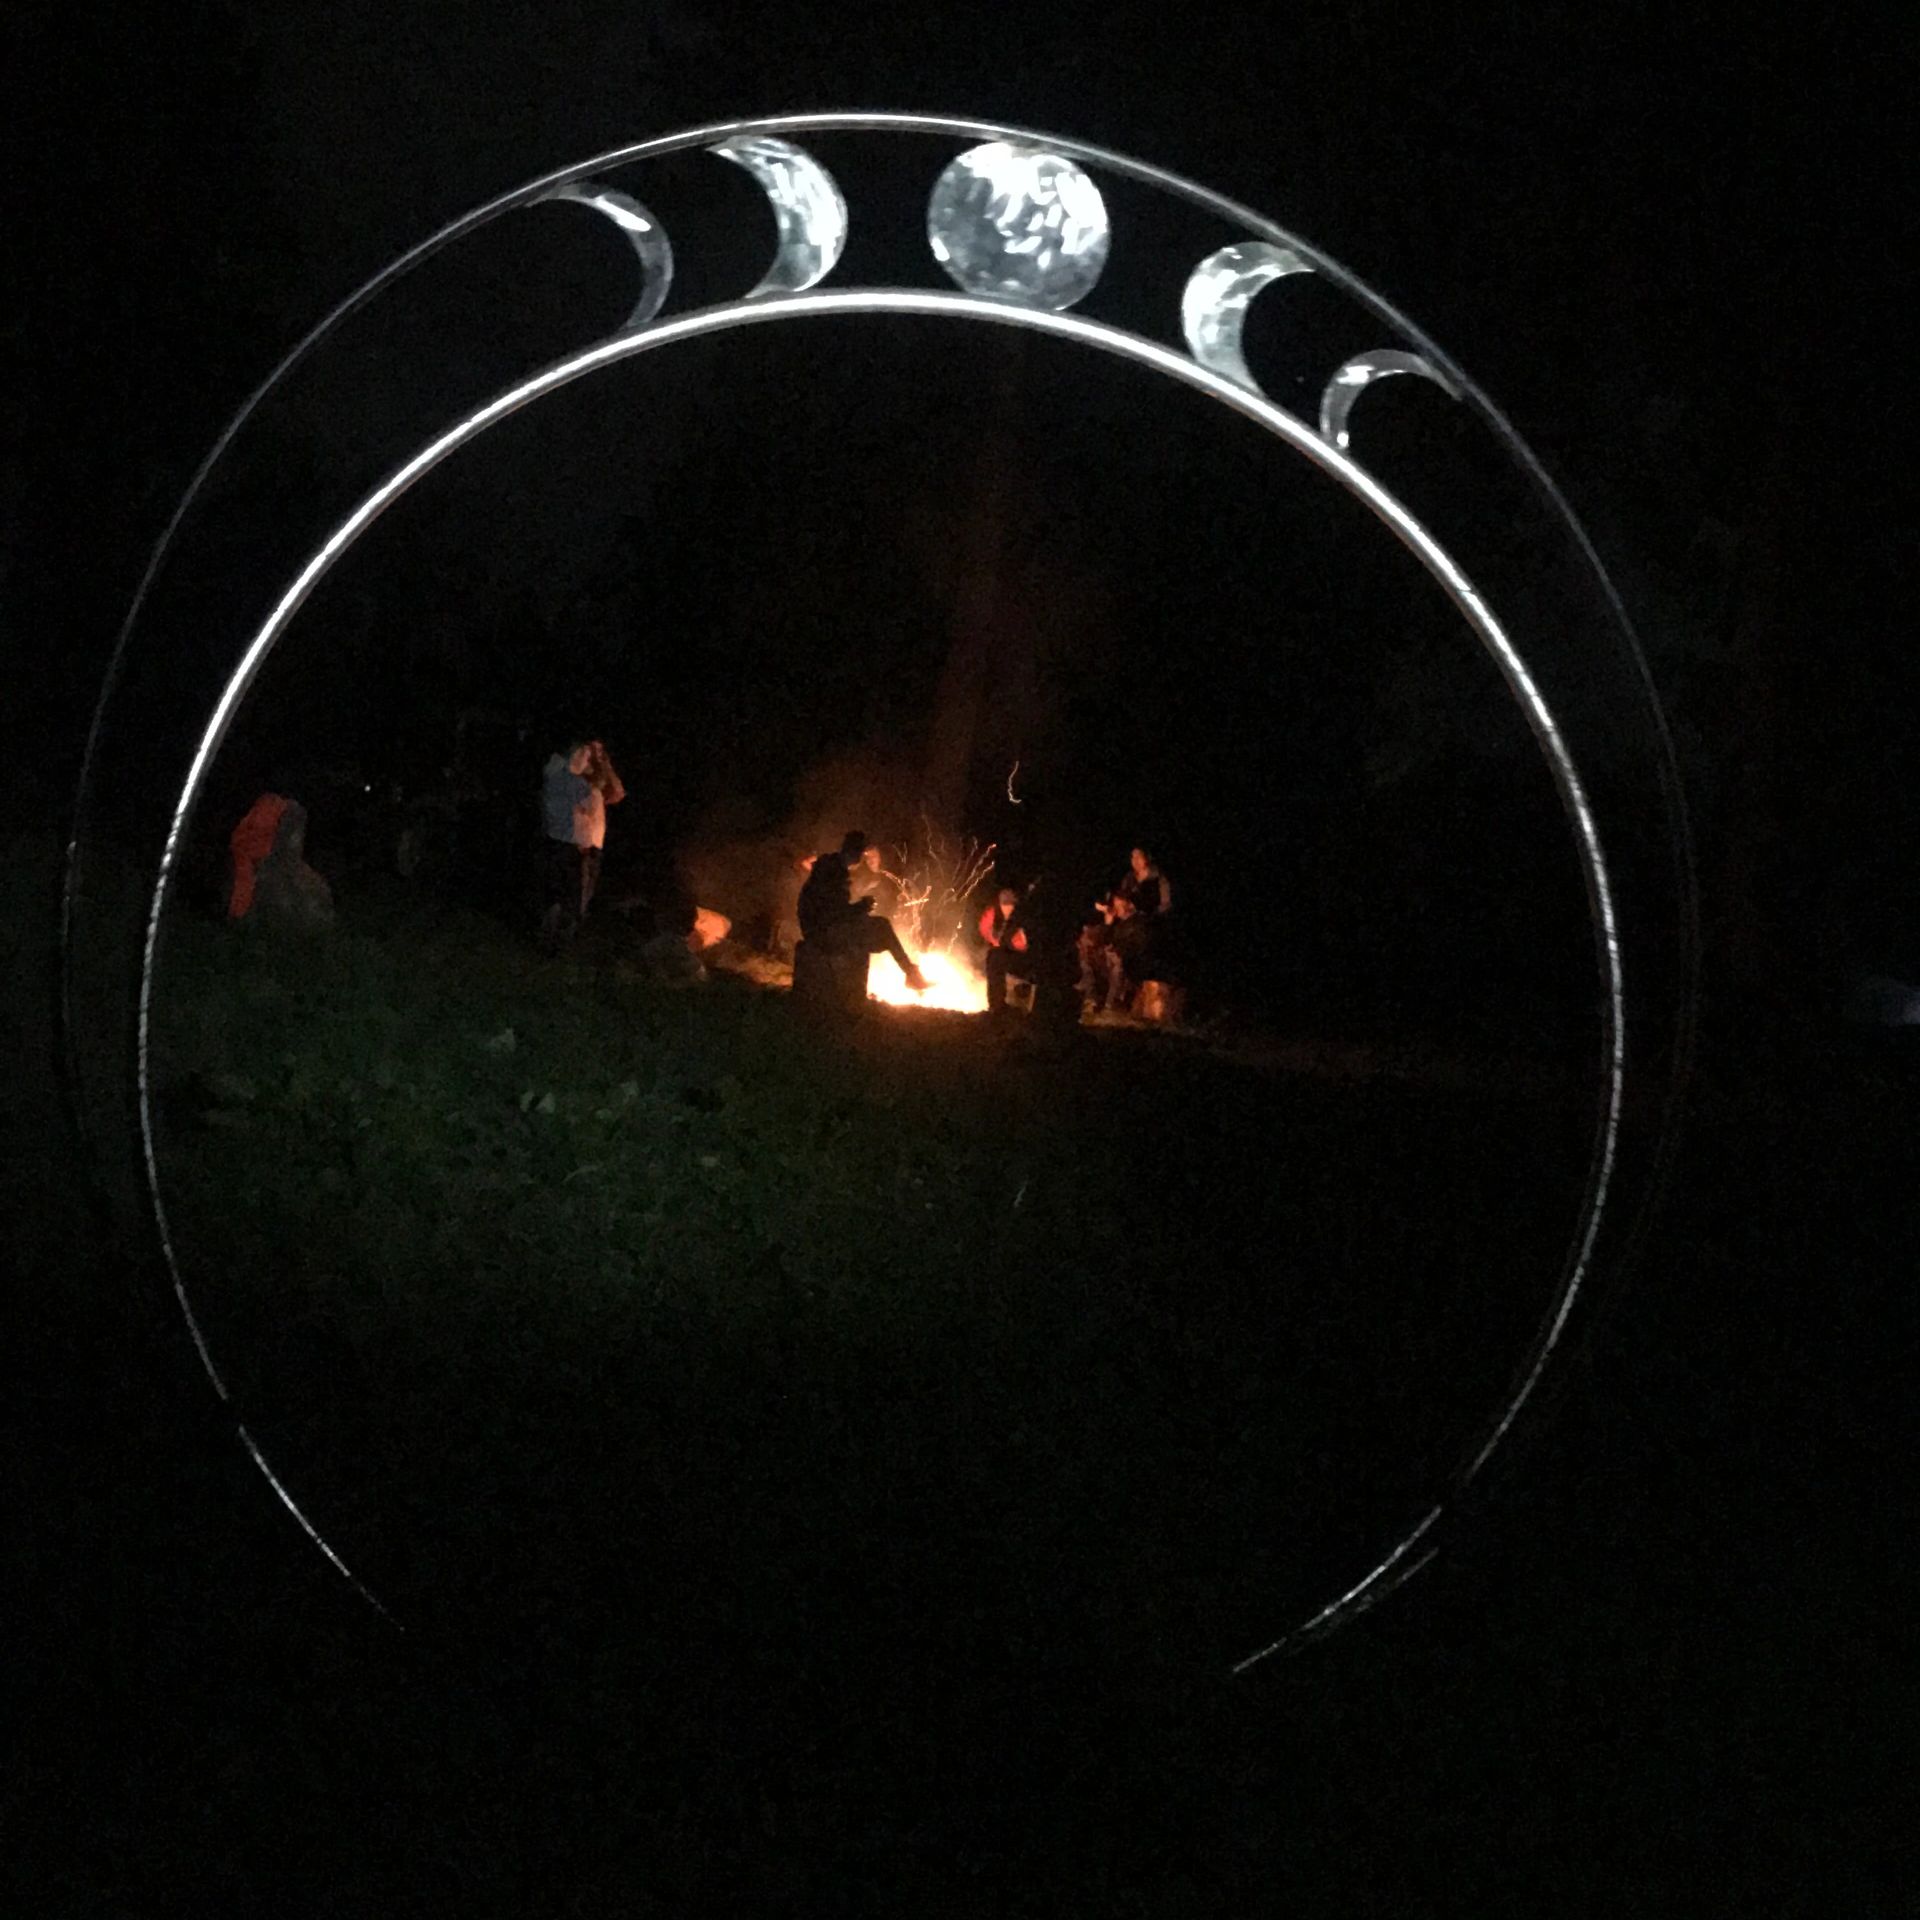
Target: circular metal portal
x=1018, y=222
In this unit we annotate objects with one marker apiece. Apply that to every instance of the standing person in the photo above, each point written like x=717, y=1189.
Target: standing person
x=1167, y=949
x=576, y=790
x=1139, y=938
x=607, y=790
x=1006, y=947
x=830, y=915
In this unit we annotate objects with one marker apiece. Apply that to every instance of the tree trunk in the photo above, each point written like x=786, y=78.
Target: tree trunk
x=966, y=677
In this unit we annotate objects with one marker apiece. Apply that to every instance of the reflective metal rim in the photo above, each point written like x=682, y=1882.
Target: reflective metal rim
x=761, y=310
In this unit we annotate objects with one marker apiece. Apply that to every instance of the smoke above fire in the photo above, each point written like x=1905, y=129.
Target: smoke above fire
x=931, y=874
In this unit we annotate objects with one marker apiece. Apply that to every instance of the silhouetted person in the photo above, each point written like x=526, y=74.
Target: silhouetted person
x=1120, y=962
x=1133, y=939
x=830, y=916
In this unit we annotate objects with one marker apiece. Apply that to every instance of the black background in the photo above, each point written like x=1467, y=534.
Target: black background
x=1663, y=1675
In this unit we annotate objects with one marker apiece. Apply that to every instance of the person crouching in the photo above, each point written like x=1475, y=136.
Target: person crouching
x=575, y=793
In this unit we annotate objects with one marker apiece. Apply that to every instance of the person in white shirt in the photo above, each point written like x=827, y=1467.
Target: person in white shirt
x=576, y=790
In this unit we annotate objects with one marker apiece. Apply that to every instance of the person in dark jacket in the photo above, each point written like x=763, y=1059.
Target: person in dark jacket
x=1122, y=959
x=1046, y=920
x=830, y=915
x=1136, y=939
x=1146, y=886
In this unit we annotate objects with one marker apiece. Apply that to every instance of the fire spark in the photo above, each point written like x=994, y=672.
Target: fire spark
x=936, y=884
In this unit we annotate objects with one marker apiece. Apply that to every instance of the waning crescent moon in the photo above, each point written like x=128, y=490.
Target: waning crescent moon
x=1359, y=374
x=808, y=211
x=648, y=237
x=1213, y=309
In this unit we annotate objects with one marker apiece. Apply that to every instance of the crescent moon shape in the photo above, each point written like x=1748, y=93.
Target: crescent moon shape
x=1359, y=374
x=648, y=237
x=808, y=211
x=1213, y=309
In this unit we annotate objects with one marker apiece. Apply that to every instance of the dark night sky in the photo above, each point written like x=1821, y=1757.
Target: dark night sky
x=1669, y=241
x=1660, y=243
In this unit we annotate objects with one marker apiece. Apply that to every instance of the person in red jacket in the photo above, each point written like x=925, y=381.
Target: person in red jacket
x=251, y=844
x=1006, y=947
x=271, y=877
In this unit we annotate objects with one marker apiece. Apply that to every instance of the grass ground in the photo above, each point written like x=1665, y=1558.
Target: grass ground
x=541, y=1280
x=716, y=1571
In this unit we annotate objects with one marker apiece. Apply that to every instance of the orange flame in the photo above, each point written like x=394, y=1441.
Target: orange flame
x=956, y=987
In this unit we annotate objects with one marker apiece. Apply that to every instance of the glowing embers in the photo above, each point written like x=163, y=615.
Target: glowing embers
x=956, y=987
x=1018, y=224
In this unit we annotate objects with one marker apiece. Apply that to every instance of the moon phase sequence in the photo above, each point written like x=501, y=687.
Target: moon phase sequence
x=1010, y=223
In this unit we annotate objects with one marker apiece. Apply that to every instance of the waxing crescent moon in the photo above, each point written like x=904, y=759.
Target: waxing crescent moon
x=1213, y=309
x=1359, y=374
x=647, y=236
x=808, y=212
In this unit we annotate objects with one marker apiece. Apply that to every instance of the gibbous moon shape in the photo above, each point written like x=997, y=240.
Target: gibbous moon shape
x=648, y=237
x=1213, y=309
x=1359, y=374
x=808, y=212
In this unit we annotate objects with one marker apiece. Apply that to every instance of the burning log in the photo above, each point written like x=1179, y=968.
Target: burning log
x=834, y=982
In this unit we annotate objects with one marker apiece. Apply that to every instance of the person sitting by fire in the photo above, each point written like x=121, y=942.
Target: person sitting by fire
x=1006, y=942
x=1122, y=940
x=1120, y=960
x=868, y=879
x=1089, y=945
x=1146, y=886
x=832, y=917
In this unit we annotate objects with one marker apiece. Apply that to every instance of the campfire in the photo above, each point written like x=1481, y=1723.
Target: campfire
x=936, y=883
x=956, y=987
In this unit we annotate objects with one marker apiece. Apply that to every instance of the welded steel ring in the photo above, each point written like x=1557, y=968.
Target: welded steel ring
x=1027, y=288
